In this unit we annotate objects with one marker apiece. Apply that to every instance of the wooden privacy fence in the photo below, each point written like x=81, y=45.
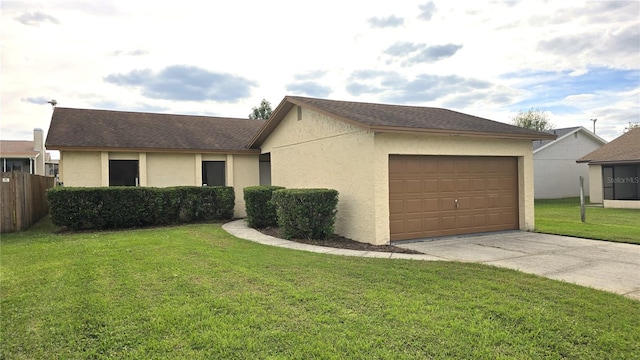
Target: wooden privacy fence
x=23, y=200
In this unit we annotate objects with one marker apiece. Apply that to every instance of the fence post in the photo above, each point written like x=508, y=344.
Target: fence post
x=582, y=209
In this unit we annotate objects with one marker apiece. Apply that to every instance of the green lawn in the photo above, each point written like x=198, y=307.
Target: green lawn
x=195, y=292
x=562, y=217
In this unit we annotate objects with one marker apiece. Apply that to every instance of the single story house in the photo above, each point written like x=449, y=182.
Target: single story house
x=404, y=172
x=109, y=148
x=614, y=172
x=25, y=155
x=556, y=173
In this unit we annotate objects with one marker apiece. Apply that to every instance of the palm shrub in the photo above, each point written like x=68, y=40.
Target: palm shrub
x=306, y=213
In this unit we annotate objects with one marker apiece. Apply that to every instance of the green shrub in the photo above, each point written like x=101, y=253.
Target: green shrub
x=306, y=213
x=261, y=212
x=125, y=207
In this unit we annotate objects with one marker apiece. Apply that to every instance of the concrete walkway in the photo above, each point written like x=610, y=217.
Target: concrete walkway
x=602, y=265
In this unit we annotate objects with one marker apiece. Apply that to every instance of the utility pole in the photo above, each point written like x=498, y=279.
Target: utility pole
x=594, y=125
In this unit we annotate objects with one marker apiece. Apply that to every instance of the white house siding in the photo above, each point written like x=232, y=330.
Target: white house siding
x=556, y=171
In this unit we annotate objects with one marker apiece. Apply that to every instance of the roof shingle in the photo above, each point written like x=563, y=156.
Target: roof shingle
x=17, y=149
x=84, y=128
x=400, y=118
x=625, y=148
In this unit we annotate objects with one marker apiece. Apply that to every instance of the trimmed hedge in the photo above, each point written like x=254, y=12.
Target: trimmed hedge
x=125, y=207
x=261, y=212
x=306, y=213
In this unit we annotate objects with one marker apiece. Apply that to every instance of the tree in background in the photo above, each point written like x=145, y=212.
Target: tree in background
x=534, y=119
x=631, y=126
x=261, y=112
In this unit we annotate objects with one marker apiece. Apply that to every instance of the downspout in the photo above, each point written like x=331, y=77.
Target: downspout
x=34, y=163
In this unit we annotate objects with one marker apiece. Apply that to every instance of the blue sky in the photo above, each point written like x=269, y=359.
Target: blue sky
x=576, y=60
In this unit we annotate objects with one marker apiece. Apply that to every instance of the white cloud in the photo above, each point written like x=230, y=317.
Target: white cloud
x=518, y=51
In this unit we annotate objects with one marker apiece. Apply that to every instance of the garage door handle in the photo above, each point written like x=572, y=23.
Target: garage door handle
x=456, y=200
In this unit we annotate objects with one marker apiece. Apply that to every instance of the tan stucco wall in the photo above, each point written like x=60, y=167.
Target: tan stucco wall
x=406, y=144
x=80, y=169
x=246, y=172
x=88, y=169
x=595, y=184
x=166, y=169
x=319, y=152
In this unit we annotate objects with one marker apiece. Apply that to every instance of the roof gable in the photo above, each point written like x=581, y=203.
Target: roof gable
x=106, y=129
x=563, y=134
x=625, y=148
x=399, y=118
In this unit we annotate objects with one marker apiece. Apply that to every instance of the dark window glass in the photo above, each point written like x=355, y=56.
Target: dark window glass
x=213, y=173
x=123, y=172
x=621, y=182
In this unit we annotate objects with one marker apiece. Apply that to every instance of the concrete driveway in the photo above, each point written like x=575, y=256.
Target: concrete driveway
x=602, y=265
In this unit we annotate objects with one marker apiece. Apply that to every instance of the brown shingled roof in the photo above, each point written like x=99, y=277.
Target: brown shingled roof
x=399, y=118
x=625, y=148
x=106, y=129
x=17, y=149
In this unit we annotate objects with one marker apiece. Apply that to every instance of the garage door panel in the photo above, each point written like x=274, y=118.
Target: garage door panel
x=396, y=187
x=413, y=206
x=413, y=186
x=413, y=225
x=447, y=203
x=396, y=207
x=463, y=166
x=447, y=222
x=413, y=166
x=447, y=185
x=446, y=167
x=423, y=192
x=478, y=184
x=397, y=227
x=463, y=185
x=430, y=205
x=479, y=220
x=430, y=166
x=431, y=223
x=493, y=183
x=478, y=202
x=506, y=183
x=464, y=221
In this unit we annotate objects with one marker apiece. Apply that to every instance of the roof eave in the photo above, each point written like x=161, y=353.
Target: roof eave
x=390, y=129
x=155, y=150
x=606, y=162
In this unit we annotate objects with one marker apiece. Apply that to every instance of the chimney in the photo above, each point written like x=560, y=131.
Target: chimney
x=38, y=140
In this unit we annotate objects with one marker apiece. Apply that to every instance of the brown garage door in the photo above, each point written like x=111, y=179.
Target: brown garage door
x=433, y=196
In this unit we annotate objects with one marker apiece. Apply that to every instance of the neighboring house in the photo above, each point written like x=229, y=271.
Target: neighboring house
x=404, y=172
x=556, y=173
x=614, y=172
x=26, y=156
x=109, y=148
